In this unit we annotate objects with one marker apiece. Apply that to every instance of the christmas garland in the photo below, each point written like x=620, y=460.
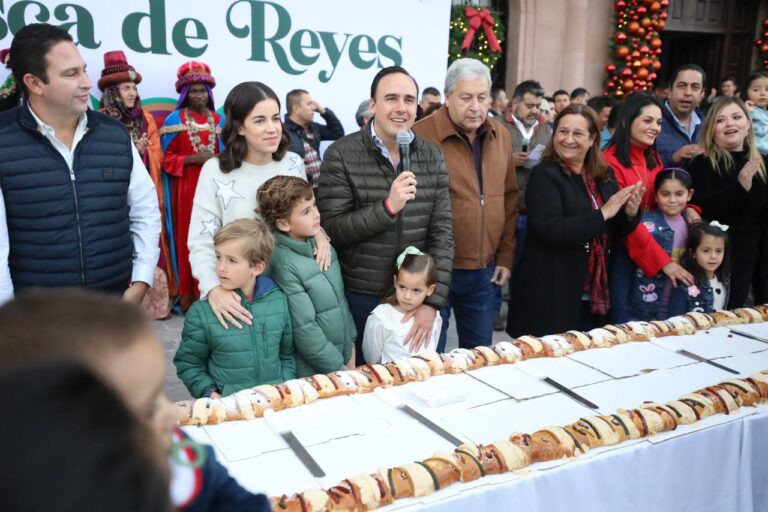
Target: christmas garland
x=475, y=33
x=762, y=45
x=635, y=46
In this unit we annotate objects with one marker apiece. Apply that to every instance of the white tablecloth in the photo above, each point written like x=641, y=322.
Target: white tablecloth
x=718, y=469
x=719, y=464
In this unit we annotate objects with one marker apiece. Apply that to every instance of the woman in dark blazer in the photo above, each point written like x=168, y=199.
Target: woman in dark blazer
x=575, y=212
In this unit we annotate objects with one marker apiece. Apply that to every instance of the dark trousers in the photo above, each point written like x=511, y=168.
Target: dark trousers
x=473, y=298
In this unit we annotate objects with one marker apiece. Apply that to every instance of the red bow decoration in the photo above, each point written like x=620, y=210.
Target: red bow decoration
x=477, y=19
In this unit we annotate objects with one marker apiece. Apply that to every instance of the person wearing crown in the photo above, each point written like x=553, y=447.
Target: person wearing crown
x=189, y=137
x=120, y=100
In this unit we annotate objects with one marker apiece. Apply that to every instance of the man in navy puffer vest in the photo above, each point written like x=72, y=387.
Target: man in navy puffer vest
x=78, y=207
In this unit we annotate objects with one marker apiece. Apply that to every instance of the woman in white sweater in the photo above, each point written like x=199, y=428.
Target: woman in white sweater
x=255, y=150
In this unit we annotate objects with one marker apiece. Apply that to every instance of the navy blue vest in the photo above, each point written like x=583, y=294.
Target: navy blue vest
x=66, y=229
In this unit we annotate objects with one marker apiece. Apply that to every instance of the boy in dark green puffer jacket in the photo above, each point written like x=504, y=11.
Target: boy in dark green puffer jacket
x=213, y=360
x=323, y=329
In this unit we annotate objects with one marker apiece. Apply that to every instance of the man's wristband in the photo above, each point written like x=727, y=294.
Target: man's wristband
x=388, y=209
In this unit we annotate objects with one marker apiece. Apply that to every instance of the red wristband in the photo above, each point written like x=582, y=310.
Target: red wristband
x=388, y=209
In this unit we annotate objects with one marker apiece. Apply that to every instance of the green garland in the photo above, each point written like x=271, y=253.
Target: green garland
x=479, y=49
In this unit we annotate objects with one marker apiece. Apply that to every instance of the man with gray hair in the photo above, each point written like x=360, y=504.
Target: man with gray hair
x=481, y=170
x=363, y=114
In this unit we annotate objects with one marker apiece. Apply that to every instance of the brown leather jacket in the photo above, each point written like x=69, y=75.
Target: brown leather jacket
x=483, y=221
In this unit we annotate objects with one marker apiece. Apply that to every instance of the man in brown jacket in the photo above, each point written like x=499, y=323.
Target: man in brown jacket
x=481, y=171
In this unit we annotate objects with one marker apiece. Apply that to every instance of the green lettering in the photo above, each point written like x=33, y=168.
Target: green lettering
x=334, y=53
x=181, y=39
x=390, y=52
x=17, y=15
x=3, y=25
x=131, y=25
x=258, y=35
x=85, y=35
x=356, y=51
x=298, y=47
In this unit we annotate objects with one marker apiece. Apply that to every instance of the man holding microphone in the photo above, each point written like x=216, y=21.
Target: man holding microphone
x=373, y=208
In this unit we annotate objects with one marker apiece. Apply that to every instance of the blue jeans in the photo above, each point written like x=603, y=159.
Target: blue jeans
x=361, y=305
x=472, y=296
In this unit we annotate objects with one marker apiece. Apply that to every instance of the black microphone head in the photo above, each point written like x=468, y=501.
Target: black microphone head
x=404, y=137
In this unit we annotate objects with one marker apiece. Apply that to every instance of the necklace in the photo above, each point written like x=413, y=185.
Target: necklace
x=194, y=128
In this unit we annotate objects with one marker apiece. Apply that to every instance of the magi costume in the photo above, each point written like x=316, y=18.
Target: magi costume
x=140, y=124
x=186, y=133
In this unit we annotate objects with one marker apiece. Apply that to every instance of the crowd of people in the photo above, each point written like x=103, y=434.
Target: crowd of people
x=290, y=261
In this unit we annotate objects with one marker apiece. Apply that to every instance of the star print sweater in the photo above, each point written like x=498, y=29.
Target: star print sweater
x=221, y=198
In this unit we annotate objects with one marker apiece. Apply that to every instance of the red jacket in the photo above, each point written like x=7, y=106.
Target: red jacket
x=642, y=248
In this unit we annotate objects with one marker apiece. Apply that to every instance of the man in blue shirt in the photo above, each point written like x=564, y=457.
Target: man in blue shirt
x=679, y=137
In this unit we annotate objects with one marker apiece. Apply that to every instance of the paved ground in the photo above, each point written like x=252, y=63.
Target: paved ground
x=169, y=333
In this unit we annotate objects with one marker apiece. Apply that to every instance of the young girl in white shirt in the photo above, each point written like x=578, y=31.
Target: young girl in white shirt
x=415, y=280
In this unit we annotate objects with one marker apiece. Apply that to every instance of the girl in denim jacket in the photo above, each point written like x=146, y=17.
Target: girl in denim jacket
x=707, y=258
x=635, y=295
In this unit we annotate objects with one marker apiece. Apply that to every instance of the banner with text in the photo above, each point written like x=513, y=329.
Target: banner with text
x=331, y=48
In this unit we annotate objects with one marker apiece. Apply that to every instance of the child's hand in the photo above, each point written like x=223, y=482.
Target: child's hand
x=215, y=395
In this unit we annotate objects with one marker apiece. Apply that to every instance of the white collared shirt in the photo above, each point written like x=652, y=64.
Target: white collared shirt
x=379, y=142
x=527, y=133
x=143, y=214
x=695, y=121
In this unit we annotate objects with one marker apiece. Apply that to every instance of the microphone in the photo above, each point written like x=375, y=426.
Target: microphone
x=404, y=139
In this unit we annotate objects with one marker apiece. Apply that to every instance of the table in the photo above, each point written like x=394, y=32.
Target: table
x=718, y=464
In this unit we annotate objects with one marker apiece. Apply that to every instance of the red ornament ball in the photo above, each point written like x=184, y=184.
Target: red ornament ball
x=610, y=69
x=664, y=3
x=764, y=48
x=765, y=23
x=620, y=5
x=611, y=84
x=620, y=38
x=759, y=43
x=663, y=15
x=626, y=73
x=641, y=10
x=655, y=7
x=660, y=25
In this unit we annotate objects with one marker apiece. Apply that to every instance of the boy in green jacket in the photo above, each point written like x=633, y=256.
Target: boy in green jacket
x=323, y=330
x=214, y=360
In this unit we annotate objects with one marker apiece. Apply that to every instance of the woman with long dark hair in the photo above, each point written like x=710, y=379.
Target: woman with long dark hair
x=255, y=150
x=632, y=156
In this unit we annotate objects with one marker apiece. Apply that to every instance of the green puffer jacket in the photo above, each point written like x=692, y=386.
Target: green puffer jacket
x=323, y=329
x=229, y=360
x=355, y=179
